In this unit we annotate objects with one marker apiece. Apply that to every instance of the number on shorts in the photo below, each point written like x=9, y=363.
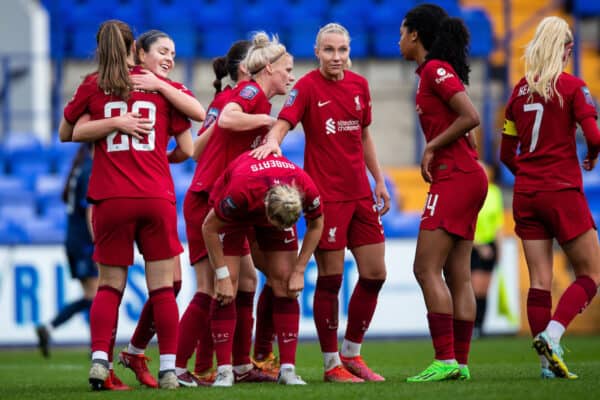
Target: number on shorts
x=535, y=133
x=431, y=202
x=136, y=107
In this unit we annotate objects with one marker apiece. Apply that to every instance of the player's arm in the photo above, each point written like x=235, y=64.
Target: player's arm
x=184, y=148
x=65, y=130
x=509, y=145
x=182, y=101
x=592, y=138
x=234, y=118
x=132, y=124
x=314, y=228
x=381, y=193
x=201, y=141
x=467, y=119
x=272, y=140
x=210, y=231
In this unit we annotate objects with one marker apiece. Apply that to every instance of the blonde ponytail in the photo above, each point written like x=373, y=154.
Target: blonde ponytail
x=544, y=57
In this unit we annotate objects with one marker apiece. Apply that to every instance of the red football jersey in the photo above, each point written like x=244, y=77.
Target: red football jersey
x=214, y=108
x=239, y=195
x=333, y=115
x=225, y=145
x=547, y=159
x=124, y=166
x=438, y=83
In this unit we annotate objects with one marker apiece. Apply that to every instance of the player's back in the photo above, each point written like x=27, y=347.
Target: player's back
x=546, y=130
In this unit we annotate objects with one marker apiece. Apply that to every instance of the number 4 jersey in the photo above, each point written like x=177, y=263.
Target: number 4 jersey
x=125, y=166
x=547, y=160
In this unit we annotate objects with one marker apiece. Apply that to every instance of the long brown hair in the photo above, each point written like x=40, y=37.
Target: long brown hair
x=114, y=39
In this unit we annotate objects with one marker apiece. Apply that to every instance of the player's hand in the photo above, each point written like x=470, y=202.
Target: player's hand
x=146, y=81
x=224, y=291
x=295, y=284
x=269, y=147
x=426, y=165
x=382, y=197
x=589, y=163
x=134, y=125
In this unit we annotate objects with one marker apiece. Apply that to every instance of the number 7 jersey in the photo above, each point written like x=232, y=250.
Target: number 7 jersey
x=124, y=166
x=547, y=160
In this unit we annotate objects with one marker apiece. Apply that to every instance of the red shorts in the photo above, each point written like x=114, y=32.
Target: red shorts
x=350, y=223
x=454, y=202
x=270, y=238
x=149, y=222
x=195, y=210
x=563, y=215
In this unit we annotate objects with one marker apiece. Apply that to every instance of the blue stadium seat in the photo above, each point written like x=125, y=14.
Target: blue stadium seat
x=15, y=191
x=169, y=12
x=28, y=165
x=216, y=43
x=48, y=190
x=20, y=141
x=56, y=211
x=308, y=16
x=352, y=16
x=586, y=8
x=61, y=156
x=261, y=15
x=12, y=234
x=43, y=231
x=18, y=213
x=452, y=7
x=384, y=20
x=480, y=28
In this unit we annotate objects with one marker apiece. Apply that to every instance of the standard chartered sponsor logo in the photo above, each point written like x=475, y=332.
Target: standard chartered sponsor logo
x=330, y=126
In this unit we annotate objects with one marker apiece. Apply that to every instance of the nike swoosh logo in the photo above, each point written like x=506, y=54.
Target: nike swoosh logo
x=288, y=340
x=323, y=103
x=286, y=241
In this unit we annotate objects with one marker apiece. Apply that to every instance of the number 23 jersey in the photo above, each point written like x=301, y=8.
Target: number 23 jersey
x=547, y=160
x=124, y=166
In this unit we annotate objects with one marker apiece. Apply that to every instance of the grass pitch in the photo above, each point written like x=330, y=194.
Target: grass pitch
x=502, y=368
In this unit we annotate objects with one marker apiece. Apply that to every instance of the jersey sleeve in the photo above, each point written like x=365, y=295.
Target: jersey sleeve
x=178, y=123
x=78, y=105
x=231, y=203
x=583, y=103
x=247, y=98
x=442, y=81
x=311, y=199
x=296, y=103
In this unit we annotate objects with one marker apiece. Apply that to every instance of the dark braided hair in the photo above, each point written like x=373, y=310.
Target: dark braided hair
x=228, y=64
x=445, y=38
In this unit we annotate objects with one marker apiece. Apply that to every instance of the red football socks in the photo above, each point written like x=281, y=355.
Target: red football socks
x=362, y=307
x=286, y=318
x=325, y=310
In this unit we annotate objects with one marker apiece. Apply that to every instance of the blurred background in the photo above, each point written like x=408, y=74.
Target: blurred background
x=47, y=47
